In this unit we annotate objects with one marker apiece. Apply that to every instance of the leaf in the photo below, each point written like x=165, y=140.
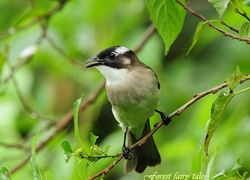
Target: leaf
x=247, y=3
x=217, y=111
x=209, y=172
x=233, y=173
x=220, y=6
x=245, y=30
x=220, y=176
x=210, y=166
x=106, y=149
x=68, y=152
x=48, y=175
x=76, y=111
x=36, y=172
x=235, y=79
x=5, y=174
x=81, y=170
x=92, y=139
x=196, y=36
x=196, y=162
x=168, y=17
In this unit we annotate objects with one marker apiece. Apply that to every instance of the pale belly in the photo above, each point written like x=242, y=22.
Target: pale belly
x=132, y=109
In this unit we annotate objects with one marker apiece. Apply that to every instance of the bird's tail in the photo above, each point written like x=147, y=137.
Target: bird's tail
x=144, y=155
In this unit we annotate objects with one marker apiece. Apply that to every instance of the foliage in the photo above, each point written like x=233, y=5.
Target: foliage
x=43, y=45
x=167, y=24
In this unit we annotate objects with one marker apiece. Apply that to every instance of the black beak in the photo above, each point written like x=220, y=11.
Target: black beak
x=94, y=62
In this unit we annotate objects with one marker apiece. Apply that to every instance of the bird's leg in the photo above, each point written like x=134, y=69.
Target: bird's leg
x=165, y=118
x=125, y=150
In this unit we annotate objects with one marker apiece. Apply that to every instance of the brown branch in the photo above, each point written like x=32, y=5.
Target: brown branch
x=228, y=26
x=159, y=124
x=150, y=31
x=225, y=33
x=16, y=146
x=104, y=172
x=61, y=125
x=14, y=68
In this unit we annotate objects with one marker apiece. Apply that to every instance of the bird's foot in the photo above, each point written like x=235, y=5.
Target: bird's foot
x=126, y=153
x=165, y=118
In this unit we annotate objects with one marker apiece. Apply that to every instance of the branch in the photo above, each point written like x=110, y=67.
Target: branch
x=225, y=33
x=242, y=14
x=228, y=26
x=26, y=106
x=159, y=124
x=150, y=31
x=61, y=125
x=62, y=53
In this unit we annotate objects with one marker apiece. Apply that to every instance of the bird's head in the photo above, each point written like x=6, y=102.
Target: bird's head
x=117, y=57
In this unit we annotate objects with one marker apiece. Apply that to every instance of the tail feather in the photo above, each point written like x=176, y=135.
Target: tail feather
x=143, y=156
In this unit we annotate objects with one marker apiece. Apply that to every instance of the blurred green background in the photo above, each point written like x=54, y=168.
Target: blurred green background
x=50, y=84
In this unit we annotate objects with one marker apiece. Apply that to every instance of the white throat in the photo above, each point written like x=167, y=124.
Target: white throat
x=113, y=75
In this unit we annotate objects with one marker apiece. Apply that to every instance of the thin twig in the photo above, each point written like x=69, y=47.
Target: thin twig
x=225, y=33
x=228, y=26
x=242, y=14
x=16, y=146
x=27, y=107
x=150, y=31
x=61, y=125
x=62, y=53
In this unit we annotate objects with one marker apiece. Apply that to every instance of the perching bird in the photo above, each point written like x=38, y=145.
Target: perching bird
x=133, y=91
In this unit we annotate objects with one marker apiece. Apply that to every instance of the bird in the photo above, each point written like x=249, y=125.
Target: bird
x=133, y=91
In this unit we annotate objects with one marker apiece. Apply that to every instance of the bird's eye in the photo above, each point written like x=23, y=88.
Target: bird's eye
x=112, y=56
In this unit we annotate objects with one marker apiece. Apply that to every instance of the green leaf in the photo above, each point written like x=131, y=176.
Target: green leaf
x=247, y=3
x=48, y=175
x=210, y=166
x=92, y=139
x=68, y=152
x=5, y=174
x=235, y=79
x=168, y=17
x=106, y=149
x=217, y=111
x=76, y=111
x=220, y=6
x=245, y=30
x=209, y=171
x=233, y=173
x=35, y=169
x=196, y=162
x=220, y=176
x=196, y=36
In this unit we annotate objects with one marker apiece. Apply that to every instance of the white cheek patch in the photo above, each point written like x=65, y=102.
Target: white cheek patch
x=121, y=50
x=126, y=61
